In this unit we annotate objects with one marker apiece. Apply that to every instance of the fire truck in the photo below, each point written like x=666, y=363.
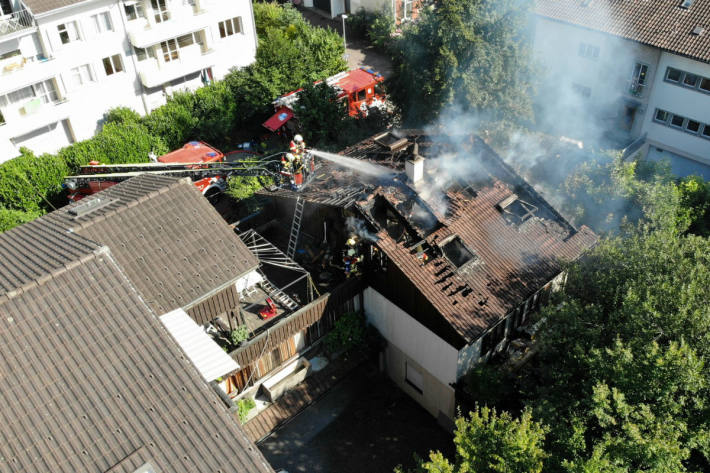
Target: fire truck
x=205, y=165
x=360, y=88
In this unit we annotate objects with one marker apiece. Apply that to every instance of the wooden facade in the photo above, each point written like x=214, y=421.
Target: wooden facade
x=271, y=349
x=224, y=303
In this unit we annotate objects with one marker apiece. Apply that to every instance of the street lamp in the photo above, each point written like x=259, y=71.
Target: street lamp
x=345, y=44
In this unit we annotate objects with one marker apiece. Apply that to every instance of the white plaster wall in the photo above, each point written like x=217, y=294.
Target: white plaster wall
x=369, y=5
x=683, y=101
x=411, y=337
x=85, y=106
x=556, y=50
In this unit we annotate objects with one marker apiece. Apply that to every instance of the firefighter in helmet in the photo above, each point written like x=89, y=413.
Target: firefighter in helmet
x=351, y=257
x=297, y=145
x=298, y=170
x=287, y=166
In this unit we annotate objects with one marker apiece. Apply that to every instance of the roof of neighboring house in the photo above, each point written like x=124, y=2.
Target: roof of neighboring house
x=91, y=379
x=170, y=241
x=44, y=6
x=516, y=239
x=660, y=23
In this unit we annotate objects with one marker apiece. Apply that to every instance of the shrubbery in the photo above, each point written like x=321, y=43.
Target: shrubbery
x=349, y=332
x=245, y=405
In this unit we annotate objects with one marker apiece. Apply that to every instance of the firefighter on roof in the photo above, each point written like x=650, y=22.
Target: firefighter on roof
x=351, y=257
x=297, y=145
x=287, y=166
x=298, y=170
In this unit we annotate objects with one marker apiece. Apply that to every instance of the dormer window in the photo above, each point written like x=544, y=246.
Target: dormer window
x=516, y=211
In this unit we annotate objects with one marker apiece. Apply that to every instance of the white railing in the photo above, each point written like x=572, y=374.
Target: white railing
x=17, y=21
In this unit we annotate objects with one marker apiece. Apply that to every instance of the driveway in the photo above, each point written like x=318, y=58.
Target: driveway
x=365, y=423
x=359, y=53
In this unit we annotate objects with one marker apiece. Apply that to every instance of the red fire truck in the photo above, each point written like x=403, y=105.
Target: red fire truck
x=205, y=165
x=361, y=88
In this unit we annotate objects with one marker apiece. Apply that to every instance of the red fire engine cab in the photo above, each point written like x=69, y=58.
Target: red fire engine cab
x=96, y=177
x=361, y=88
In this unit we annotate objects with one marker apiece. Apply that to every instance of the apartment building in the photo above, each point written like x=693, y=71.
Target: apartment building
x=63, y=63
x=633, y=72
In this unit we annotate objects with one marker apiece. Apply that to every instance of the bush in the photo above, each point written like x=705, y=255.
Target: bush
x=122, y=115
x=13, y=218
x=119, y=143
x=245, y=405
x=32, y=183
x=349, y=332
x=239, y=334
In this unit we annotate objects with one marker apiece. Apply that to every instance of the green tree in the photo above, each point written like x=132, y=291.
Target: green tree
x=122, y=115
x=12, y=218
x=467, y=53
x=30, y=183
x=488, y=442
x=174, y=122
x=126, y=143
x=322, y=117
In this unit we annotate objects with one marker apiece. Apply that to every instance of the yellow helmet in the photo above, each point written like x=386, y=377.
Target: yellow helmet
x=351, y=241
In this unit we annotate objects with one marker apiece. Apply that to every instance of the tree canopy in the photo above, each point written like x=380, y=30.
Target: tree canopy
x=468, y=53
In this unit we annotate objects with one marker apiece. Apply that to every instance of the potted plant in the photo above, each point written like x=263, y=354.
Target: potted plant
x=239, y=335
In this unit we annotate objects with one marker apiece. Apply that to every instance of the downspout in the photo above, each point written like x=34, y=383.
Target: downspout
x=121, y=12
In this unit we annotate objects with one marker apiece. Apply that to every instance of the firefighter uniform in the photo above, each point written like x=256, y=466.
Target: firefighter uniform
x=297, y=145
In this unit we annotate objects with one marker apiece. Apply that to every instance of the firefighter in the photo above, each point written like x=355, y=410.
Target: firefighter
x=297, y=145
x=287, y=166
x=298, y=170
x=351, y=257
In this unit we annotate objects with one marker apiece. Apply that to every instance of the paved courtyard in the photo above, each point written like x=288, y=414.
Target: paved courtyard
x=365, y=423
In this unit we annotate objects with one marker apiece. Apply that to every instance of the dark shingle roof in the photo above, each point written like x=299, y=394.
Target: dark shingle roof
x=169, y=240
x=43, y=6
x=92, y=382
x=660, y=23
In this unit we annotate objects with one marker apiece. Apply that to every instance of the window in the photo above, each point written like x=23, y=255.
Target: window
x=588, y=50
x=673, y=75
x=413, y=377
x=661, y=116
x=706, y=131
x=10, y=54
x=638, y=79
x=113, y=64
x=408, y=8
x=456, y=252
x=677, y=121
x=185, y=40
x=134, y=11
x=170, y=50
x=582, y=90
x=692, y=126
x=102, y=22
x=81, y=75
x=705, y=84
x=361, y=95
x=68, y=32
x=160, y=10
x=230, y=27
x=41, y=92
x=690, y=80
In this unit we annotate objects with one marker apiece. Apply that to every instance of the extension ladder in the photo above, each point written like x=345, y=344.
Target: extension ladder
x=295, y=228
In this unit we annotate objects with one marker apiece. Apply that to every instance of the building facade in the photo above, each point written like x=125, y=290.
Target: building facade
x=64, y=64
x=628, y=73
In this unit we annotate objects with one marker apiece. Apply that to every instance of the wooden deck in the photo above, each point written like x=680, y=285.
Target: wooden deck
x=297, y=399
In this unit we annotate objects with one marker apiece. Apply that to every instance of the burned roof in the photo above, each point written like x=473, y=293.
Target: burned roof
x=91, y=379
x=670, y=25
x=473, y=237
x=169, y=240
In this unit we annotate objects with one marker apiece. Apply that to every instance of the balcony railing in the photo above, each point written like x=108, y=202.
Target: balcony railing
x=156, y=72
x=636, y=88
x=17, y=21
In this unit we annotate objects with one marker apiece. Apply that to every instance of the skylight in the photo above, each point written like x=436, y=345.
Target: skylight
x=457, y=253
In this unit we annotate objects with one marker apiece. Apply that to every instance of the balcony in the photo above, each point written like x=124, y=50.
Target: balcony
x=144, y=32
x=636, y=88
x=18, y=71
x=16, y=22
x=157, y=72
x=20, y=118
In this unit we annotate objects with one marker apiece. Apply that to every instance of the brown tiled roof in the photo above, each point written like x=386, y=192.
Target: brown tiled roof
x=172, y=244
x=43, y=6
x=513, y=261
x=660, y=23
x=91, y=380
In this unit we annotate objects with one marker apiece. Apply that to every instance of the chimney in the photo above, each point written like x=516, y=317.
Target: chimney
x=414, y=166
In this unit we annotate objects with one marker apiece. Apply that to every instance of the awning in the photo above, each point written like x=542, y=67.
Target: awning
x=209, y=359
x=282, y=115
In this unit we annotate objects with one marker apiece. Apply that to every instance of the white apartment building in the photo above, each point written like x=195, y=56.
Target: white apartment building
x=64, y=63
x=632, y=70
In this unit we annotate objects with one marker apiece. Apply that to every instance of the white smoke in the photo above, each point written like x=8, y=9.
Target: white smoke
x=359, y=228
